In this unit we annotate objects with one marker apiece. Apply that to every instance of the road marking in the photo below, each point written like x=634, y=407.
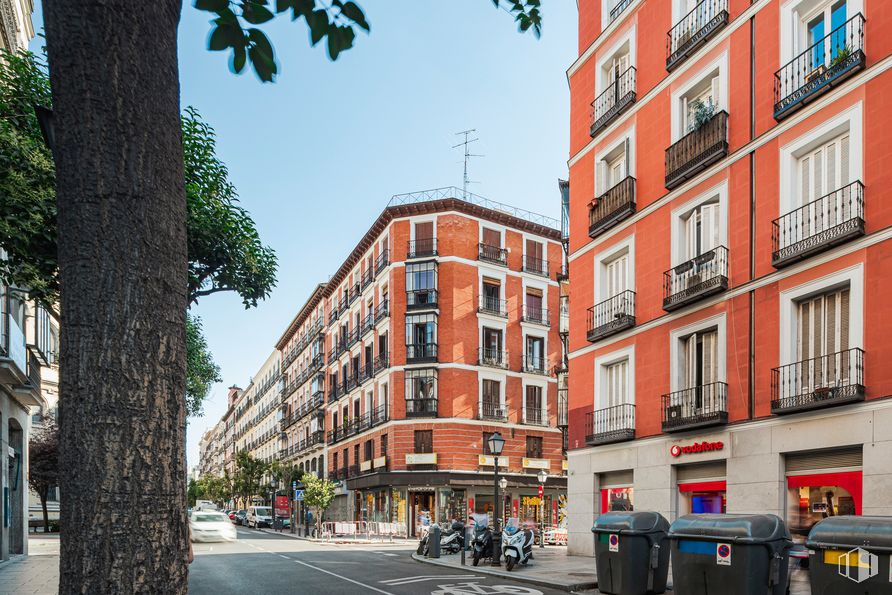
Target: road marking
x=420, y=579
x=385, y=554
x=349, y=580
x=284, y=556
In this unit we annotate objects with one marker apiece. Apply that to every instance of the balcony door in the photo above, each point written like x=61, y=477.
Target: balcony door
x=533, y=404
x=491, y=398
x=492, y=295
x=823, y=341
x=536, y=353
x=492, y=346
x=617, y=392
x=818, y=25
x=424, y=237
x=616, y=67
x=701, y=357
x=823, y=171
x=617, y=275
x=705, y=96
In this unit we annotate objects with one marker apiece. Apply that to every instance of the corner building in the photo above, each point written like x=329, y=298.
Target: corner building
x=729, y=259
x=440, y=328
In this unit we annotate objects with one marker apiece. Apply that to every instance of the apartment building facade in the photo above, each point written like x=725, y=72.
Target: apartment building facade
x=729, y=260
x=16, y=29
x=439, y=329
x=263, y=399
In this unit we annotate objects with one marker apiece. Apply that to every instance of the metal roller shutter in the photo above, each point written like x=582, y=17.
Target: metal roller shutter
x=841, y=458
x=700, y=471
x=615, y=479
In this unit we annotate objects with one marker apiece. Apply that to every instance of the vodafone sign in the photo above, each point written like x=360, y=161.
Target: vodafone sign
x=676, y=450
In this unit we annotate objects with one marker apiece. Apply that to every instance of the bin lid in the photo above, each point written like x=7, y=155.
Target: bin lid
x=749, y=528
x=871, y=532
x=630, y=523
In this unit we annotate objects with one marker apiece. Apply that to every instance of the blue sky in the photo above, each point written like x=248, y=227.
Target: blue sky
x=317, y=155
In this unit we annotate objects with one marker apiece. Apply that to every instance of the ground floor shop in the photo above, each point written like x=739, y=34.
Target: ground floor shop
x=803, y=468
x=15, y=421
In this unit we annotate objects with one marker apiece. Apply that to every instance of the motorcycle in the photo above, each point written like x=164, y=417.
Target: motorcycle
x=517, y=544
x=482, y=543
x=451, y=541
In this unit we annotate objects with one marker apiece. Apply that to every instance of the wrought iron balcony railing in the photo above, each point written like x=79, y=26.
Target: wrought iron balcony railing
x=613, y=101
x=367, y=276
x=417, y=299
x=535, y=417
x=421, y=353
x=492, y=254
x=613, y=206
x=492, y=305
x=349, y=428
x=352, y=337
x=611, y=316
x=382, y=311
x=536, y=315
x=563, y=417
x=422, y=248
x=421, y=407
x=697, y=150
x=354, y=292
x=492, y=411
x=695, y=279
x=534, y=364
x=697, y=407
x=368, y=323
x=537, y=266
x=381, y=362
x=609, y=425
x=493, y=358
x=694, y=29
x=824, y=381
x=824, y=64
x=618, y=9
x=382, y=261
x=821, y=224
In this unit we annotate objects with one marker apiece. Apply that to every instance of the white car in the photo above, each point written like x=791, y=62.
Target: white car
x=207, y=525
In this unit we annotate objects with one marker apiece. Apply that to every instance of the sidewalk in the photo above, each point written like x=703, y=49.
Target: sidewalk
x=550, y=567
x=38, y=572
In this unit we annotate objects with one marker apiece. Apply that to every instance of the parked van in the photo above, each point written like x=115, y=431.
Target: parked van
x=205, y=505
x=259, y=516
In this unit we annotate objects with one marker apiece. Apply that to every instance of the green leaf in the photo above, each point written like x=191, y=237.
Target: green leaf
x=353, y=12
x=255, y=13
x=283, y=5
x=225, y=36
x=319, y=25
x=261, y=54
x=239, y=55
x=211, y=5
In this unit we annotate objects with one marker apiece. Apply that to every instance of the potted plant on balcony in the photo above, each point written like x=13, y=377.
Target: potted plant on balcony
x=701, y=113
x=842, y=54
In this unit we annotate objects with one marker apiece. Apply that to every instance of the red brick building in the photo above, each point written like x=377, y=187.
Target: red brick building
x=440, y=328
x=730, y=259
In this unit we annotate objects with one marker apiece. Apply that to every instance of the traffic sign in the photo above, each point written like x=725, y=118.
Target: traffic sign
x=293, y=485
x=541, y=491
x=613, y=542
x=723, y=554
x=299, y=495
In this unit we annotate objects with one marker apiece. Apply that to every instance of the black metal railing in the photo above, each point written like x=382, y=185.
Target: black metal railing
x=534, y=364
x=367, y=276
x=381, y=362
x=368, y=323
x=494, y=254
x=536, y=315
x=355, y=426
x=697, y=150
x=537, y=266
x=700, y=406
x=421, y=352
x=493, y=305
x=563, y=407
x=694, y=29
x=613, y=206
x=610, y=424
x=818, y=225
x=423, y=247
x=421, y=407
x=492, y=411
x=823, y=381
x=694, y=279
x=334, y=391
x=494, y=358
x=618, y=95
x=617, y=10
x=354, y=292
x=382, y=261
x=421, y=298
x=535, y=416
x=382, y=311
x=352, y=337
x=611, y=316
x=824, y=64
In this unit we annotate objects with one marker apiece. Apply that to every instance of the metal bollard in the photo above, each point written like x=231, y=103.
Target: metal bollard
x=433, y=542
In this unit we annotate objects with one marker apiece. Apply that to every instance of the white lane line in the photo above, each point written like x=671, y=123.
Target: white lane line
x=349, y=580
x=284, y=556
x=384, y=553
x=418, y=579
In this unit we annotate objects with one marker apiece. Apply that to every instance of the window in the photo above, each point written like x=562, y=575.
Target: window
x=534, y=406
x=424, y=441
x=535, y=353
x=700, y=103
x=369, y=450
x=613, y=167
x=823, y=323
x=822, y=171
x=616, y=376
x=534, y=258
x=701, y=230
x=424, y=242
x=486, y=437
x=421, y=384
x=492, y=295
x=701, y=358
x=696, y=102
x=492, y=398
x=421, y=276
x=492, y=237
x=534, y=301
x=384, y=445
x=534, y=447
x=421, y=335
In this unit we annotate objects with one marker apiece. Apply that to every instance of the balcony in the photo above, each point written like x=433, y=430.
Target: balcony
x=368, y=323
x=382, y=261
x=611, y=316
x=609, y=425
x=422, y=248
x=493, y=305
x=536, y=266
x=367, y=421
x=535, y=417
x=335, y=391
x=617, y=10
x=421, y=407
x=493, y=254
x=354, y=292
x=534, y=364
x=492, y=412
x=697, y=407
x=492, y=358
x=382, y=311
x=536, y=315
x=420, y=353
x=418, y=299
x=695, y=279
x=697, y=150
x=367, y=277
x=613, y=206
x=819, y=382
x=826, y=222
x=613, y=101
x=382, y=362
x=826, y=63
x=694, y=30
x=563, y=417
x=352, y=338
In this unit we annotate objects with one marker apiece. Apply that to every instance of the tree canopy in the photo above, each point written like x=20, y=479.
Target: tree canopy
x=201, y=370
x=43, y=462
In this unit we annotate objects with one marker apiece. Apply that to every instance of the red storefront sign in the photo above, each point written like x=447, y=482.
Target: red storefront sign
x=554, y=512
x=514, y=508
x=677, y=449
x=470, y=507
x=282, y=506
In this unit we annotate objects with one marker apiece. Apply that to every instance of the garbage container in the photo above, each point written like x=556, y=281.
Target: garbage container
x=851, y=555
x=433, y=542
x=631, y=552
x=730, y=554
x=278, y=524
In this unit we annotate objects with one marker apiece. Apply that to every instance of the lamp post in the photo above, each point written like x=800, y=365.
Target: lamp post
x=496, y=444
x=273, y=486
x=542, y=476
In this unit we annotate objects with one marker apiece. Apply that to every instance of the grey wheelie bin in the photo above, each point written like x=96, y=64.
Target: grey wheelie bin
x=631, y=552
x=730, y=554
x=850, y=555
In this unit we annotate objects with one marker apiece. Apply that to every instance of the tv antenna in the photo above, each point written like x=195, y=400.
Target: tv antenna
x=468, y=155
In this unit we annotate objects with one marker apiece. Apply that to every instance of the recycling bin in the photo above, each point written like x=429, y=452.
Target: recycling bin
x=850, y=555
x=730, y=554
x=631, y=552
x=433, y=542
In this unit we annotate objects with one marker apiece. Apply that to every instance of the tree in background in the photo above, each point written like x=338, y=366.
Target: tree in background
x=318, y=495
x=201, y=370
x=43, y=463
x=249, y=473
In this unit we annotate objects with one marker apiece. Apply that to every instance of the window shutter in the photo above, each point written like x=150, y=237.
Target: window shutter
x=628, y=157
x=685, y=117
x=844, y=157
x=831, y=167
x=830, y=327
x=715, y=92
x=805, y=176
x=710, y=357
x=844, y=320
x=817, y=166
x=691, y=236
x=709, y=227
x=690, y=364
x=601, y=177
x=492, y=237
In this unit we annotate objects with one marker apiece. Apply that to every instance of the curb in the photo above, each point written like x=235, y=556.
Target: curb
x=515, y=576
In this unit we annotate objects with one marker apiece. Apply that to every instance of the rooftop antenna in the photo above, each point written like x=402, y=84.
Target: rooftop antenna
x=468, y=155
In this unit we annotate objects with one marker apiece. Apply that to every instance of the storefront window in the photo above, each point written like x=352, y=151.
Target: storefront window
x=532, y=508
x=451, y=506
x=811, y=498
x=702, y=497
x=616, y=499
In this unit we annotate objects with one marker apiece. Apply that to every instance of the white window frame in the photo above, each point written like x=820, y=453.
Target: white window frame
x=543, y=385
x=720, y=64
x=851, y=121
x=503, y=232
x=532, y=284
x=793, y=40
x=627, y=39
x=681, y=213
x=602, y=259
x=540, y=240
x=414, y=220
x=601, y=363
x=601, y=171
x=677, y=351
x=789, y=303
x=535, y=333
x=502, y=378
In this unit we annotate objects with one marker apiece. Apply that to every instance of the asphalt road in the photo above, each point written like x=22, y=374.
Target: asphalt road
x=262, y=562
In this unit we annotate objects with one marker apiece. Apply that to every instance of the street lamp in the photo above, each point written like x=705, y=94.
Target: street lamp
x=542, y=476
x=273, y=486
x=496, y=444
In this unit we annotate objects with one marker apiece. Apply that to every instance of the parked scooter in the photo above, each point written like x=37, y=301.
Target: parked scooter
x=517, y=544
x=482, y=538
x=451, y=541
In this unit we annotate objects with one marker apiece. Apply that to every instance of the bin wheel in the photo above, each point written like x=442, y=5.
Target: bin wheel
x=420, y=549
x=509, y=564
x=477, y=559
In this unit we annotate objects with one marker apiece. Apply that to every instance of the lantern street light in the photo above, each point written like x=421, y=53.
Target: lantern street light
x=542, y=476
x=496, y=443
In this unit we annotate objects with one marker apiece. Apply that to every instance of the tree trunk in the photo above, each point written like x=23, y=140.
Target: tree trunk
x=46, y=514
x=122, y=257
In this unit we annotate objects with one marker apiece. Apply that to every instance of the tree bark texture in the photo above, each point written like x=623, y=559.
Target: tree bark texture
x=123, y=266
